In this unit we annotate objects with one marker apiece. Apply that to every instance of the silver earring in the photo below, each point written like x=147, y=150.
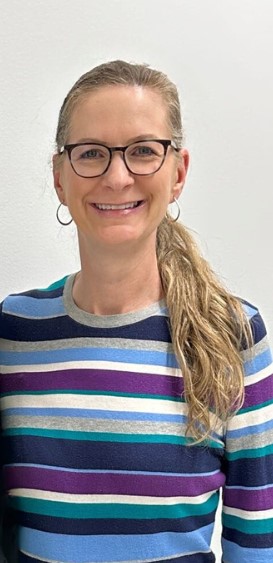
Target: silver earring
x=178, y=210
x=60, y=220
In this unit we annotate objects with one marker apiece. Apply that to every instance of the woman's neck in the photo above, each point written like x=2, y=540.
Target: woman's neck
x=118, y=282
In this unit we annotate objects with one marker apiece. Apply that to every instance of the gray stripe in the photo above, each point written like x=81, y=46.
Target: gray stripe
x=252, y=441
x=257, y=349
x=68, y=343
x=94, y=425
x=107, y=321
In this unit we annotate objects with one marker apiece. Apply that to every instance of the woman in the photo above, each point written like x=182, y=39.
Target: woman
x=132, y=391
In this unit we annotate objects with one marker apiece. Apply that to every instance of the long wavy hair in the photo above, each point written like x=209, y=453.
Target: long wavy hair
x=207, y=323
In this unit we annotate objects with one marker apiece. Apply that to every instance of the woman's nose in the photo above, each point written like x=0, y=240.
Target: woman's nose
x=118, y=176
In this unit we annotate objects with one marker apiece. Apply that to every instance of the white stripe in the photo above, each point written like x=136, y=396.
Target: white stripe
x=98, y=402
x=252, y=418
x=249, y=515
x=108, y=499
x=103, y=365
x=259, y=375
x=104, y=403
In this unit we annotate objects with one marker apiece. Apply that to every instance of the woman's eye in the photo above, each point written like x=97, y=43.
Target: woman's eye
x=142, y=151
x=92, y=153
x=89, y=152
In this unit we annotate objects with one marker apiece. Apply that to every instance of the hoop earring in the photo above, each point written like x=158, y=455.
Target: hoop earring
x=174, y=219
x=58, y=218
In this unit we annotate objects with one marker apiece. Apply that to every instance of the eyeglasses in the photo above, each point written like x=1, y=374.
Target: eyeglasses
x=90, y=160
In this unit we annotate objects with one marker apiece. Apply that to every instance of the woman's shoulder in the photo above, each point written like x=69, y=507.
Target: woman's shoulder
x=257, y=355
x=256, y=321
x=32, y=301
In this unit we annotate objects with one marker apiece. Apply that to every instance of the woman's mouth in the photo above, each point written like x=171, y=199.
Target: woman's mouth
x=118, y=206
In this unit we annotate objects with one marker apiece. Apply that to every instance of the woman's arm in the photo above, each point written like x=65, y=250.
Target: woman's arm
x=2, y=557
x=248, y=493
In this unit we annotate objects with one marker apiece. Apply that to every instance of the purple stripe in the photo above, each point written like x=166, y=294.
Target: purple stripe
x=110, y=483
x=93, y=379
x=249, y=499
x=259, y=392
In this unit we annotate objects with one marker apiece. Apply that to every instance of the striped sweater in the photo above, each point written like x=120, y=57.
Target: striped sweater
x=96, y=464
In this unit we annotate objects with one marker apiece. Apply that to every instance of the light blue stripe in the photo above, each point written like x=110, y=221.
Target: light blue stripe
x=142, y=357
x=248, y=430
x=89, y=413
x=258, y=363
x=101, y=414
x=116, y=471
x=237, y=488
x=102, y=548
x=249, y=310
x=234, y=553
x=30, y=307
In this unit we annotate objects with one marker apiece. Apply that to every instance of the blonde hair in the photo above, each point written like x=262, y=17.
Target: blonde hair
x=207, y=323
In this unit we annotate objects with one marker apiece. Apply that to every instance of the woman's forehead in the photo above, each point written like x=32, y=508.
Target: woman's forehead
x=108, y=97
x=128, y=108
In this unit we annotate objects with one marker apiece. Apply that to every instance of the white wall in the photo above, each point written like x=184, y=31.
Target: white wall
x=220, y=55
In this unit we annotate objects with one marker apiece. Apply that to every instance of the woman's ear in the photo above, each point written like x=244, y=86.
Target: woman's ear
x=181, y=173
x=57, y=177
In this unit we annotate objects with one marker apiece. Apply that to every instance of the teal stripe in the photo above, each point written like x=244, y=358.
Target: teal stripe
x=96, y=436
x=113, y=510
x=104, y=436
x=250, y=453
x=264, y=526
x=256, y=407
x=55, y=285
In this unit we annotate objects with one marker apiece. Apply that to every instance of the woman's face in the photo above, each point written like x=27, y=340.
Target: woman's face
x=117, y=116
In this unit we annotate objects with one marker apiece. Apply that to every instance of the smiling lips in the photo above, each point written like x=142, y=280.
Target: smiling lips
x=113, y=207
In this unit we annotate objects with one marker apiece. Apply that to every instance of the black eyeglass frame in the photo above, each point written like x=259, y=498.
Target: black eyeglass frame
x=164, y=142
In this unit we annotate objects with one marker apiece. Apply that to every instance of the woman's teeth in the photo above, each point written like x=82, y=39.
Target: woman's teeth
x=106, y=207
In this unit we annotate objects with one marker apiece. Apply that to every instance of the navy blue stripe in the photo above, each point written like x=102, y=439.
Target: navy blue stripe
x=169, y=458
x=256, y=541
x=33, y=330
x=258, y=328
x=243, y=472
x=91, y=526
x=194, y=558
x=40, y=293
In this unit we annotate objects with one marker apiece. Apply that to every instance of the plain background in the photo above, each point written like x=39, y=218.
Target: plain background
x=219, y=54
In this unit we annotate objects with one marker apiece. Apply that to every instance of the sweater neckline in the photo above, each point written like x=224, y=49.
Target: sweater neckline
x=107, y=321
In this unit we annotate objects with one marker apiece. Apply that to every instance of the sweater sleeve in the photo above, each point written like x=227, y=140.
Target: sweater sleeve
x=2, y=557
x=1, y=482
x=248, y=493
x=3, y=538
